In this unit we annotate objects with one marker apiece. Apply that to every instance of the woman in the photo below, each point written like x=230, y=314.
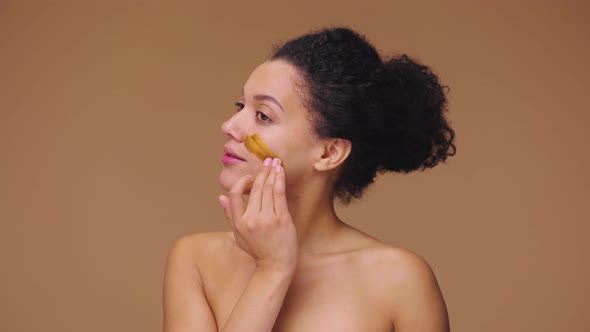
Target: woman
x=336, y=115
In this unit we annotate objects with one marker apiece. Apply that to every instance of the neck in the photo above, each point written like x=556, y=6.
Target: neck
x=314, y=217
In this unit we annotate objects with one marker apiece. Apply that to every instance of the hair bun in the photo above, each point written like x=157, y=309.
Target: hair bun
x=415, y=134
x=391, y=112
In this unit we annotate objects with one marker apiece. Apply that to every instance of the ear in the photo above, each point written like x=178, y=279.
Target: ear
x=335, y=151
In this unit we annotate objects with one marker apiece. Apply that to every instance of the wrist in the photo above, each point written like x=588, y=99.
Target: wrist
x=282, y=267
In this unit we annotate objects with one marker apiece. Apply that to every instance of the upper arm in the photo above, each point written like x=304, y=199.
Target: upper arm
x=185, y=306
x=419, y=303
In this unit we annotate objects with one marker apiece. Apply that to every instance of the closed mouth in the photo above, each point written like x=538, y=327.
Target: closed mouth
x=230, y=153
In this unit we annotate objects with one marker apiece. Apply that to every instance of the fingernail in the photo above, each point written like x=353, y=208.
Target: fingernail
x=221, y=203
x=267, y=161
x=278, y=168
x=275, y=162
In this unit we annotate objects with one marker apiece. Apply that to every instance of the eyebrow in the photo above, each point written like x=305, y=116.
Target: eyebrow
x=266, y=98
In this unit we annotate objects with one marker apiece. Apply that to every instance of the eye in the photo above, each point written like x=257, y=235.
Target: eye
x=259, y=115
x=239, y=105
x=262, y=117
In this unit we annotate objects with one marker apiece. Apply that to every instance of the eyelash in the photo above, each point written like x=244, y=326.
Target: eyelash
x=240, y=106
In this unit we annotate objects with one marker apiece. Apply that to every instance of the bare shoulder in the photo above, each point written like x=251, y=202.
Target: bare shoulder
x=203, y=240
x=402, y=282
x=200, y=250
x=411, y=289
x=186, y=307
x=400, y=265
x=382, y=258
x=198, y=246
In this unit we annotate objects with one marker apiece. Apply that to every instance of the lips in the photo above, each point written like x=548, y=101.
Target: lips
x=231, y=153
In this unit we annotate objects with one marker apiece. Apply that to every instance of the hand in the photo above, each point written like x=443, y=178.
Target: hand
x=264, y=228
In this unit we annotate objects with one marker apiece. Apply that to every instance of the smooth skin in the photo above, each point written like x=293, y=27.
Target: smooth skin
x=289, y=263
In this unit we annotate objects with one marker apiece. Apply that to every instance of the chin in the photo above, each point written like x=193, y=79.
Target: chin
x=228, y=177
x=226, y=180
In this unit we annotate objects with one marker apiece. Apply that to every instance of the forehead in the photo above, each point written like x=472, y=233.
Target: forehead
x=274, y=78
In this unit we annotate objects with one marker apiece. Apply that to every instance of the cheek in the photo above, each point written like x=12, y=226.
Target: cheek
x=292, y=145
x=296, y=156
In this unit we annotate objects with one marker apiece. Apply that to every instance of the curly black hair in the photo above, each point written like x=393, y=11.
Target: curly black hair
x=391, y=110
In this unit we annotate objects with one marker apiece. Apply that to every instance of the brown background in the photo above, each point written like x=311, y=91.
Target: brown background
x=110, y=150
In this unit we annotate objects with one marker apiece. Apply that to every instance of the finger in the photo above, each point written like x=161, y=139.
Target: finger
x=234, y=233
x=236, y=197
x=224, y=201
x=279, y=192
x=255, y=200
x=267, y=206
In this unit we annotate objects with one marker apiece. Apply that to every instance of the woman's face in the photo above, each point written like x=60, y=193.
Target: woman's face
x=271, y=107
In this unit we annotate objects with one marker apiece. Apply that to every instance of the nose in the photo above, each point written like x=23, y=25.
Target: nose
x=232, y=128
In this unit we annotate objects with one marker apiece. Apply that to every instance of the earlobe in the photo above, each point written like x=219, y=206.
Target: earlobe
x=335, y=153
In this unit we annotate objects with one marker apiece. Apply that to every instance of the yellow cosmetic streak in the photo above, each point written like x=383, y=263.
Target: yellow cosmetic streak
x=255, y=145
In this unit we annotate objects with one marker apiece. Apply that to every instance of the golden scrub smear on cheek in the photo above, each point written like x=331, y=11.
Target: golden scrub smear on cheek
x=255, y=145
